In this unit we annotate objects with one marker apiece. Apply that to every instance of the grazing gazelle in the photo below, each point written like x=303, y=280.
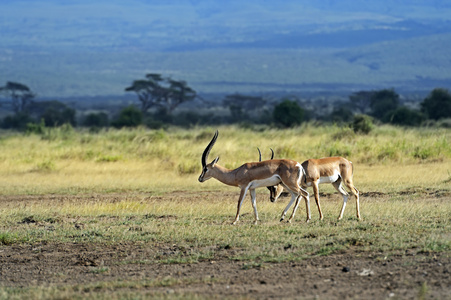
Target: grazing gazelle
x=253, y=175
x=334, y=170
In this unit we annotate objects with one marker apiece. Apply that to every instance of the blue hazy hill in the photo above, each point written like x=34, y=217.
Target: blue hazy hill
x=68, y=48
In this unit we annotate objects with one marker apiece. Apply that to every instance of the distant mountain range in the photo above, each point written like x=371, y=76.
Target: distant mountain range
x=86, y=48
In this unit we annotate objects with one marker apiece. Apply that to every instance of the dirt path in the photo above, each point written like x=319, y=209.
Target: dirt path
x=342, y=276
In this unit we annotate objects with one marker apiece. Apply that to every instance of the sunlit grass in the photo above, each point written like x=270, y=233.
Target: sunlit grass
x=69, y=162
x=141, y=186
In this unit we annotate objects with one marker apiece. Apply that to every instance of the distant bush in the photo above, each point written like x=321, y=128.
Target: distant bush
x=128, y=117
x=383, y=101
x=188, y=119
x=405, y=116
x=36, y=128
x=18, y=121
x=53, y=117
x=438, y=104
x=340, y=115
x=96, y=120
x=163, y=115
x=362, y=124
x=288, y=114
x=54, y=112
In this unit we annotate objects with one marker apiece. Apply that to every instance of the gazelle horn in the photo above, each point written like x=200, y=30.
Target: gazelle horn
x=207, y=150
x=260, y=154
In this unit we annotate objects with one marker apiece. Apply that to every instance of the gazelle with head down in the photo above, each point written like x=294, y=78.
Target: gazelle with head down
x=334, y=170
x=254, y=175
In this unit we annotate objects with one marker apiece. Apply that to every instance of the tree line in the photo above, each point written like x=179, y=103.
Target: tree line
x=158, y=98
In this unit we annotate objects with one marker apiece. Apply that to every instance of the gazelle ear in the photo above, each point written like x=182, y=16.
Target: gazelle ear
x=214, y=161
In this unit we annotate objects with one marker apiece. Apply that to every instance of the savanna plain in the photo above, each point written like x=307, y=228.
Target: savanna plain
x=119, y=214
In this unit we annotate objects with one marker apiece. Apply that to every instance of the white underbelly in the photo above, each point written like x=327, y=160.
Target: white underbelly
x=326, y=179
x=273, y=180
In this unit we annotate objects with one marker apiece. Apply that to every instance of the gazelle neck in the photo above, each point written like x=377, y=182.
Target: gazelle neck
x=224, y=175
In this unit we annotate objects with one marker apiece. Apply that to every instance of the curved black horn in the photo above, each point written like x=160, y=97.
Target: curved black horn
x=272, y=153
x=207, y=150
x=259, y=154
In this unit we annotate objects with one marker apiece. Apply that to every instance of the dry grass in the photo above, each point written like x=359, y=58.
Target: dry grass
x=156, y=172
x=157, y=161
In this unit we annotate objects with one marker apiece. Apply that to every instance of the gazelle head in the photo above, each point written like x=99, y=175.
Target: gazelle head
x=274, y=191
x=207, y=168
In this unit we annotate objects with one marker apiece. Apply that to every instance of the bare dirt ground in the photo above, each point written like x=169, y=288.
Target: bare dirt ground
x=348, y=275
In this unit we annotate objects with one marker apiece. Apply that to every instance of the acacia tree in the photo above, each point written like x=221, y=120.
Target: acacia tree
x=438, y=104
x=20, y=94
x=179, y=92
x=361, y=100
x=384, y=102
x=157, y=91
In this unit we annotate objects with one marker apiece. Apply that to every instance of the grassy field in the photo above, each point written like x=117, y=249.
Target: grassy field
x=63, y=161
x=140, y=186
x=402, y=165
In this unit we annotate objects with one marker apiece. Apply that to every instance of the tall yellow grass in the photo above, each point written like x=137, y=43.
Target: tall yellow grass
x=158, y=161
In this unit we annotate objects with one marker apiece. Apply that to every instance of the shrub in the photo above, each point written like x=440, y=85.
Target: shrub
x=438, y=104
x=288, y=114
x=340, y=115
x=128, y=117
x=188, y=119
x=405, y=116
x=36, y=128
x=383, y=101
x=362, y=124
x=96, y=120
x=17, y=121
x=57, y=117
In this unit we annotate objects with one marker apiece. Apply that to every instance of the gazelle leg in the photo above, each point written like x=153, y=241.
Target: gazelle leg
x=316, y=193
x=339, y=187
x=307, y=207
x=240, y=201
x=254, y=205
x=294, y=209
x=357, y=203
x=355, y=193
x=304, y=194
x=293, y=198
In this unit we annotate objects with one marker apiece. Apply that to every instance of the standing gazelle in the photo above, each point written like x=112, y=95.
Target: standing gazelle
x=334, y=170
x=253, y=175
